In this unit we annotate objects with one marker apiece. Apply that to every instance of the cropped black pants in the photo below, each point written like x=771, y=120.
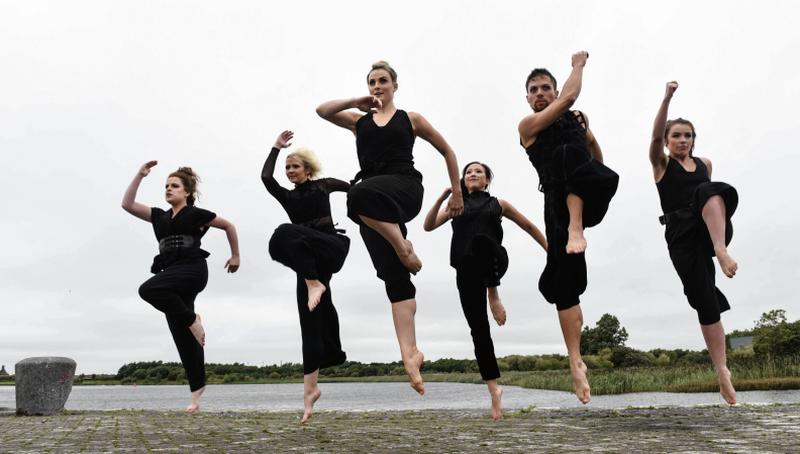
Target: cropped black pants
x=313, y=254
x=471, y=282
x=173, y=291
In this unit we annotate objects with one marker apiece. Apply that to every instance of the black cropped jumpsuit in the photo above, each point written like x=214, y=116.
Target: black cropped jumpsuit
x=312, y=247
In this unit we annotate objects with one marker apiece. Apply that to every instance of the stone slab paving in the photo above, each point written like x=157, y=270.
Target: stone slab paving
x=711, y=429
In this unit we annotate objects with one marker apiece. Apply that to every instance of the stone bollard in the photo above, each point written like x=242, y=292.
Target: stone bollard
x=43, y=384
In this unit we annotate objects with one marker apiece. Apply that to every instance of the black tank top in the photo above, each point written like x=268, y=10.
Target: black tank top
x=677, y=185
x=558, y=148
x=482, y=216
x=385, y=150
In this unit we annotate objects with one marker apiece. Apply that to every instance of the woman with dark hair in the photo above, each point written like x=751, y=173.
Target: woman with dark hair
x=314, y=249
x=697, y=215
x=480, y=260
x=180, y=267
x=387, y=193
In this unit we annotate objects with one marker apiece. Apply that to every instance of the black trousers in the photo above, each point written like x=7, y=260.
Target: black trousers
x=470, y=279
x=395, y=276
x=691, y=251
x=173, y=291
x=563, y=279
x=313, y=254
x=389, y=198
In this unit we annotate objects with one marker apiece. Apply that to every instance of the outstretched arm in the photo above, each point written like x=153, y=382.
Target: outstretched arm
x=511, y=213
x=530, y=126
x=129, y=202
x=233, y=240
x=336, y=111
x=435, y=216
x=267, y=172
x=657, y=157
x=455, y=206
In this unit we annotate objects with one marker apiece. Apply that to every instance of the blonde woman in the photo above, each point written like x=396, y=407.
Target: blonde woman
x=314, y=249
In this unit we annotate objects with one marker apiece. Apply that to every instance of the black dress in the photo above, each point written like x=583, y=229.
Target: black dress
x=564, y=164
x=312, y=247
x=181, y=273
x=480, y=261
x=387, y=188
x=683, y=195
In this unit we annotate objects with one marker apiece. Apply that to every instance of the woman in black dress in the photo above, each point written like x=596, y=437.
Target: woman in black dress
x=180, y=267
x=697, y=215
x=387, y=193
x=314, y=249
x=480, y=260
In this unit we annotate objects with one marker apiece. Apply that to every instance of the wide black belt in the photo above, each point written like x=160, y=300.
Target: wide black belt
x=173, y=242
x=683, y=213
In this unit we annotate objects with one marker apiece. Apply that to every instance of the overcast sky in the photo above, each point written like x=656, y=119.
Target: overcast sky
x=90, y=90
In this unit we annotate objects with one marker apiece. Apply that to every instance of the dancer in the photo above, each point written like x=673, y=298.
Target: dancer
x=387, y=193
x=577, y=189
x=180, y=267
x=480, y=262
x=314, y=249
x=697, y=215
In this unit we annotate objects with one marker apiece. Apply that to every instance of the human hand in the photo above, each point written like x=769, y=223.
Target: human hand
x=579, y=58
x=232, y=264
x=144, y=170
x=368, y=104
x=283, y=139
x=671, y=87
x=455, y=205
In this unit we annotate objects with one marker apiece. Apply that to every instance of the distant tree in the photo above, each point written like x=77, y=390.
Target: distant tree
x=774, y=336
x=607, y=333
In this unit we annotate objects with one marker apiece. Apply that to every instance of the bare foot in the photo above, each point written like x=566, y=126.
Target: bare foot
x=197, y=330
x=576, y=242
x=409, y=258
x=315, y=291
x=726, y=386
x=497, y=403
x=498, y=311
x=579, y=382
x=194, y=407
x=309, y=399
x=726, y=262
x=413, y=365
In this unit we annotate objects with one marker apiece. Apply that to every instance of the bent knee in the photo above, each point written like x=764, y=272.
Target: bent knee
x=400, y=290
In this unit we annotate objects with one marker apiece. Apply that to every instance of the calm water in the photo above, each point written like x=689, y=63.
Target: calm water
x=370, y=396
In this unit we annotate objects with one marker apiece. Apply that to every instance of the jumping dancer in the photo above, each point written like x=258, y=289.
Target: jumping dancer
x=697, y=215
x=387, y=193
x=180, y=267
x=577, y=189
x=314, y=249
x=480, y=260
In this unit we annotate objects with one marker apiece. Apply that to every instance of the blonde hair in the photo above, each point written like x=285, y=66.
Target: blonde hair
x=190, y=182
x=384, y=66
x=309, y=160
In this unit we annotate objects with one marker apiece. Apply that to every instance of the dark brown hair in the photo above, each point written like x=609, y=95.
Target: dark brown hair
x=486, y=170
x=540, y=72
x=190, y=181
x=681, y=121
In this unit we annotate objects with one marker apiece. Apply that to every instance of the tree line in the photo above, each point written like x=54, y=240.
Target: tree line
x=603, y=347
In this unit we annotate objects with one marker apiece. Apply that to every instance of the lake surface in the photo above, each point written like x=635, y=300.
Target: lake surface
x=372, y=396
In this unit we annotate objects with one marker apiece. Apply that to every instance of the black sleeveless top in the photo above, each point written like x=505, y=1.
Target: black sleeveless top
x=308, y=203
x=676, y=187
x=482, y=216
x=191, y=221
x=547, y=153
x=385, y=150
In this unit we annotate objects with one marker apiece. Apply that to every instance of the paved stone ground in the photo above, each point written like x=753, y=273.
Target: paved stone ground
x=743, y=429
